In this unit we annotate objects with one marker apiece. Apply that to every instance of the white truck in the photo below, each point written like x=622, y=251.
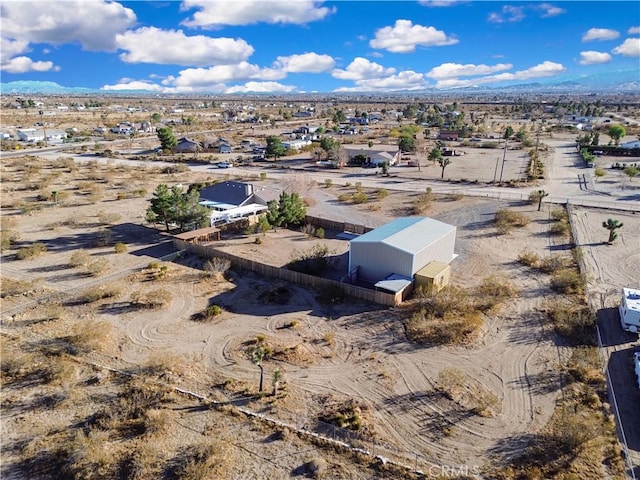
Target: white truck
x=630, y=310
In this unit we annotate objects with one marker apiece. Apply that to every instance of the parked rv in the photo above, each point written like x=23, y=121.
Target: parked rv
x=630, y=310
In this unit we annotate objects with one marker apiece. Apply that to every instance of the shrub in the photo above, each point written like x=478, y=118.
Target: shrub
x=108, y=218
x=217, y=266
x=33, y=250
x=208, y=313
x=506, y=219
x=345, y=197
x=263, y=175
x=422, y=203
x=151, y=300
x=559, y=228
x=319, y=233
x=120, y=247
x=11, y=287
x=552, y=264
x=359, y=197
x=528, y=258
x=381, y=193
x=98, y=267
x=328, y=182
x=575, y=324
x=559, y=215
x=79, y=258
x=94, y=294
x=567, y=280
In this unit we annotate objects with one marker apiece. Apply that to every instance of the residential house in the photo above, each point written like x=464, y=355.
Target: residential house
x=186, y=146
x=225, y=148
x=231, y=201
x=373, y=156
x=451, y=135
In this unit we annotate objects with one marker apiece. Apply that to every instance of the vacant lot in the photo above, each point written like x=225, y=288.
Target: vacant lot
x=340, y=364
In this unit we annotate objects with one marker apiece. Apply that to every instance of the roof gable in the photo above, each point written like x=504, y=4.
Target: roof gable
x=232, y=193
x=409, y=234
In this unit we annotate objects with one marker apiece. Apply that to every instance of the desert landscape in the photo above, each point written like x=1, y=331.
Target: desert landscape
x=115, y=362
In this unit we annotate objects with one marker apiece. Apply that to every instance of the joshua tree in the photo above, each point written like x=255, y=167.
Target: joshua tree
x=612, y=225
x=541, y=194
x=277, y=375
x=256, y=355
x=443, y=161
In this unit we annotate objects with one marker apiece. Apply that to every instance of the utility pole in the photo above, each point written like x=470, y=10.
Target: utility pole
x=504, y=157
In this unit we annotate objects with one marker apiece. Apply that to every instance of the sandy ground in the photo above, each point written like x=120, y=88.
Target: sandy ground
x=349, y=351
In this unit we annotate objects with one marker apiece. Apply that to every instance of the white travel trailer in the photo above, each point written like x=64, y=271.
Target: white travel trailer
x=630, y=310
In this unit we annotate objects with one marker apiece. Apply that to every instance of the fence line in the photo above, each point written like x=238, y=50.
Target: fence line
x=299, y=278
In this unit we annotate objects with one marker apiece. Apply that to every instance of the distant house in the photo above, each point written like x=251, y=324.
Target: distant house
x=231, y=201
x=225, y=148
x=375, y=156
x=30, y=135
x=296, y=144
x=186, y=146
x=631, y=144
x=451, y=135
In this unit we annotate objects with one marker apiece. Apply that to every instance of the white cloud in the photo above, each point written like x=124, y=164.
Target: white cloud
x=198, y=78
x=361, y=69
x=544, y=69
x=600, y=34
x=591, y=57
x=404, y=37
x=25, y=64
x=509, y=14
x=263, y=87
x=93, y=24
x=633, y=31
x=450, y=70
x=216, y=13
x=550, y=10
x=405, y=80
x=629, y=48
x=128, y=84
x=11, y=48
x=173, y=47
x=440, y=3
x=305, y=63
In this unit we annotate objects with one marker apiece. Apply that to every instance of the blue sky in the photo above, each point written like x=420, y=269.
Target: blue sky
x=233, y=46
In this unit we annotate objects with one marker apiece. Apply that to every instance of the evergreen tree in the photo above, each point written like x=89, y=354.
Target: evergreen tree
x=167, y=138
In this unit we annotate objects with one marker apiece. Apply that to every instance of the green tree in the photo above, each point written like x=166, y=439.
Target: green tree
x=189, y=212
x=443, y=161
x=339, y=117
x=156, y=117
x=631, y=172
x=407, y=143
x=163, y=203
x=167, y=138
x=612, y=225
x=508, y=132
x=385, y=168
x=616, y=132
x=330, y=145
x=291, y=209
x=274, y=147
x=435, y=155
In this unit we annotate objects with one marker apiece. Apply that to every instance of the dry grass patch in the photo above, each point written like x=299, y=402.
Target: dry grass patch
x=12, y=287
x=152, y=300
x=506, y=220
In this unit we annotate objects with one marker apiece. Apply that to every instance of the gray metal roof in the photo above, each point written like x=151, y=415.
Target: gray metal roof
x=410, y=234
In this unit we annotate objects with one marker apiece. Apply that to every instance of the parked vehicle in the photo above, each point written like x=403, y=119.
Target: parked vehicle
x=224, y=165
x=630, y=310
x=636, y=362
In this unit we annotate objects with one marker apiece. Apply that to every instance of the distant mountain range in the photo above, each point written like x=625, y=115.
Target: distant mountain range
x=611, y=83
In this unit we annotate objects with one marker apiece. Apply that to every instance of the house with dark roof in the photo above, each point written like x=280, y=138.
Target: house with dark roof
x=231, y=201
x=186, y=146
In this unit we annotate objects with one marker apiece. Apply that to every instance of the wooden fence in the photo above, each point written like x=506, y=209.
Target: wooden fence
x=339, y=226
x=209, y=251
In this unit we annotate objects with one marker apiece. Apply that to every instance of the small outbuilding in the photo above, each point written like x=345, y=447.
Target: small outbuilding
x=433, y=277
x=402, y=247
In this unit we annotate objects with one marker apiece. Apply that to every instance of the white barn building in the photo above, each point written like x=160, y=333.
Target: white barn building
x=399, y=249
